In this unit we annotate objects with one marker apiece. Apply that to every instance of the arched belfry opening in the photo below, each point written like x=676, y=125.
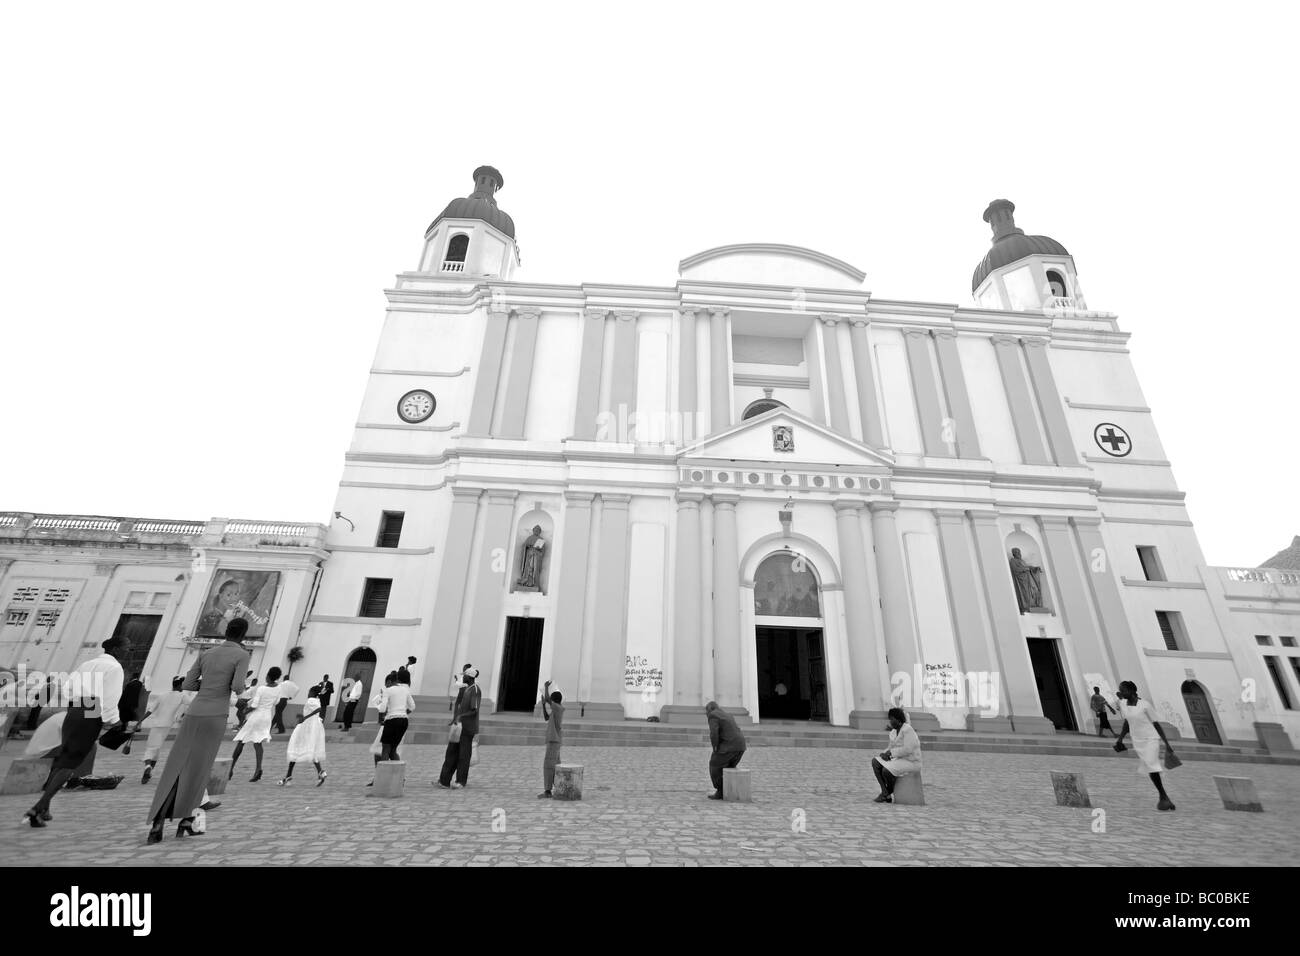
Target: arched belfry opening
x=789, y=640
x=756, y=408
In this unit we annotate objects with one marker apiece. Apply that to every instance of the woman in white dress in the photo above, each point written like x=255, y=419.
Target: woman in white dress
x=307, y=741
x=1140, y=721
x=257, y=722
x=903, y=755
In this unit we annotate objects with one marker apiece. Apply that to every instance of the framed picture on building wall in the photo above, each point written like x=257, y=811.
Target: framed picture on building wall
x=232, y=594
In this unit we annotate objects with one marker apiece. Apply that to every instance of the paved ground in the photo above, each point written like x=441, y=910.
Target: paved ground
x=647, y=806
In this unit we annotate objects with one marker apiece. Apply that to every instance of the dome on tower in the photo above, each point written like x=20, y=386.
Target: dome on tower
x=481, y=204
x=1009, y=243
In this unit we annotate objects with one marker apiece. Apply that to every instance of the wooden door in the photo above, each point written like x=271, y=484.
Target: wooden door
x=1202, y=714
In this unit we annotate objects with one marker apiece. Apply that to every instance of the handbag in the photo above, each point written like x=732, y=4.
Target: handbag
x=473, y=753
x=453, y=736
x=115, y=737
x=1171, y=759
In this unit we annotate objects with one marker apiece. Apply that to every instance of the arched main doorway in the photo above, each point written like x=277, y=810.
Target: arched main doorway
x=360, y=666
x=789, y=640
x=1201, y=711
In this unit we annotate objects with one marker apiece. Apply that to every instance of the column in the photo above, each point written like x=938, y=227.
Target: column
x=453, y=574
x=608, y=656
x=1101, y=566
x=835, y=374
x=719, y=371
x=965, y=439
x=485, y=624
x=687, y=381
x=622, y=381
x=571, y=595
x=864, y=375
x=895, y=603
x=1018, y=684
x=488, y=374
x=868, y=707
x=926, y=391
x=1007, y=348
x=1073, y=602
x=726, y=606
x=592, y=350
x=687, y=596
x=967, y=616
x=521, y=372
x=1049, y=401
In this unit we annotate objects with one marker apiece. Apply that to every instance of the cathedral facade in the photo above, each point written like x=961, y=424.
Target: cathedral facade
x=764, y=486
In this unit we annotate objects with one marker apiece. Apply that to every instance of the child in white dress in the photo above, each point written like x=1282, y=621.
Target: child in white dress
x=1140, y=721
x=308, y=742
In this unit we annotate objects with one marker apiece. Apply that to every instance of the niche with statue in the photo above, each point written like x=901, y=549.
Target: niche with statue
x=1027, y=577
x=531, y=561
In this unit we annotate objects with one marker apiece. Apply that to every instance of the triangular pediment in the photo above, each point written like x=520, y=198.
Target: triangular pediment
x=755, y=440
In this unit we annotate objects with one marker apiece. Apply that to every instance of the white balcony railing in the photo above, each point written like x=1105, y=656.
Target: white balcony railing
x=1263, y=576
x=450, y=266
x=1062, y=303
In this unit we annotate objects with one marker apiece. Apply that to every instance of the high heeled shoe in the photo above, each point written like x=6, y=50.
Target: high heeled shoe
x=155, y=832
x=34, y=819
x=320, y=778
x=257, y=775
x=186, y=828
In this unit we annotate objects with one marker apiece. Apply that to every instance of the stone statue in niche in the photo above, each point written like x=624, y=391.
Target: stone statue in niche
x=1029, y=587
x=530, y=564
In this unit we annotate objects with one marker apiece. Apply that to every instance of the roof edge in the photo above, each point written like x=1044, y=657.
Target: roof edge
x=800, y=252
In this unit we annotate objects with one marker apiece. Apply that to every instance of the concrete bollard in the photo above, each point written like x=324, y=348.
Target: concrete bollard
x=390, y=778
x=1238, y=793
x=735, y=786
x=908, y=790
x=26, y=775
x=220, y=773
x=1070, y=789
x=568, y=782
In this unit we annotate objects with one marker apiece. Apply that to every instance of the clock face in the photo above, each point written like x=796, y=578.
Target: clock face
x=416, y=406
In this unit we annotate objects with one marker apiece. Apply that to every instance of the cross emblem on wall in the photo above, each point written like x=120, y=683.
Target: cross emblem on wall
x=1112, y=439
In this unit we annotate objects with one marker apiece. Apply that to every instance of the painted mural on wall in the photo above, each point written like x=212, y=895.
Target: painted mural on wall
x=784, y=586
x=232, y=594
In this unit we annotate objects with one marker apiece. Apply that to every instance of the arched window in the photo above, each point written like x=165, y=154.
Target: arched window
x=456, y=248
x=1056, y=282
x=761, y=406
x=785, y=586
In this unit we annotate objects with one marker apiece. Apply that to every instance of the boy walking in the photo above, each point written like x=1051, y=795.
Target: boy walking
x=554, y=734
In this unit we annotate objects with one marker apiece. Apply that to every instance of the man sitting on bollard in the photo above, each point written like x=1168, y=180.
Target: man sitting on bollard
x=728, y=745
x=903, y=755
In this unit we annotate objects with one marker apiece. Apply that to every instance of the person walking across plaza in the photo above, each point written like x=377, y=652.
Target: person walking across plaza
x=903, y=755
x=288, y=691
x=1140, y=721
x=257, y=722
x=553, y=712
x=398, y=706
x=92, y=692
x=241, y=702
x=1099, y=706
x=218, y=673
x=464, y=725
x=728, y=745
x=307, y=741
x=164, y=713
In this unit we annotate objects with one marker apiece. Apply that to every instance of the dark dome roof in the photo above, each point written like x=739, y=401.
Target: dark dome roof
x=1009, y=243
x=480, y=204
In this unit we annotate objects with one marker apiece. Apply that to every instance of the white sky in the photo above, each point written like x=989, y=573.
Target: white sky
x=202, y=206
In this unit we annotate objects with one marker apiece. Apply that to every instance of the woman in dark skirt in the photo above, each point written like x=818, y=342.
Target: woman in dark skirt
x=93, y=691
x=217, y=674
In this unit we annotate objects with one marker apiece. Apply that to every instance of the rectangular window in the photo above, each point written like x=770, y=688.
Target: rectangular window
x=1172, y=630
x=1150, y=563
x=374, y=599
x=1287, y=641
x=1263, y=640
x=390, y=529
x=1279, y=681
x=1295, y=666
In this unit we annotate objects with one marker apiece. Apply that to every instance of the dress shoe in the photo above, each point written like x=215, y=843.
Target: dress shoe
x=1165, y=804
x=210, y=805
x=544, y=795
x=155, y=833
x=884, y=798
x=716, y=795
x=148, y=772
x=186, y=828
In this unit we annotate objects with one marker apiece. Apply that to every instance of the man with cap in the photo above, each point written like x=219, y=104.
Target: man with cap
x=728, y=745
x=465, y=716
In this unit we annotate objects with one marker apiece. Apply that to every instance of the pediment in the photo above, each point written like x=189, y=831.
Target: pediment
x=753, y=442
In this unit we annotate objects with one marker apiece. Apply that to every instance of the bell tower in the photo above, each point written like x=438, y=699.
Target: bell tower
x=473, y=237
x=1024, y=273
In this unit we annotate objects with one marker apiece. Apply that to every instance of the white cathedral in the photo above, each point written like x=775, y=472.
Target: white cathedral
x=762, y=485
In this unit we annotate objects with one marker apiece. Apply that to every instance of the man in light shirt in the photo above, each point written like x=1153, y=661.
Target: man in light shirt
x=288, y=691
x=351, y=697
x=92, y=692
